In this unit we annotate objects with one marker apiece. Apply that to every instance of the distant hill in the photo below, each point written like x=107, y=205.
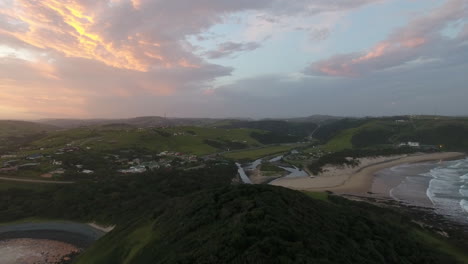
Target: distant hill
x=14, y=134
x=264, y=224
x=187, y=139
x=145, y=121
x=450, y=133
x=317, y=119
x=279, y=131
x=20, y=128
x=158, y=121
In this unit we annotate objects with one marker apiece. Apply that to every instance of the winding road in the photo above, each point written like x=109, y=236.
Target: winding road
x=34, y=181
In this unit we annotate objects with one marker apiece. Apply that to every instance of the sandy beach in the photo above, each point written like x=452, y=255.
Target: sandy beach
x=36, y=251
x=358, y=179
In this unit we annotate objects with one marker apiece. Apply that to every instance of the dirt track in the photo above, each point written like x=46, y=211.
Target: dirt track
x=34, y=181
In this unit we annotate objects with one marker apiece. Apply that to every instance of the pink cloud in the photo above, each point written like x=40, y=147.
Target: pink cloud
x=403, y=45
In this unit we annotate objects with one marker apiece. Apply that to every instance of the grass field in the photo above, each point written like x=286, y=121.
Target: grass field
x=441, y=245
x=34, y=220
x=323, y=196
x=5, y=185
x=20, y=128
x=181, y=139
x=259, y=153
x=341, y=141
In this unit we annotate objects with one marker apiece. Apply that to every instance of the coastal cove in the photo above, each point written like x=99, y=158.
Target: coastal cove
x=46, y=242
x=442, y=186
x=359, y=180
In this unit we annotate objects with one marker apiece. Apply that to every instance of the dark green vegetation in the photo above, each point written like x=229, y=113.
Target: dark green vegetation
x=349, y=157
x=173, y=215
x=265, y=224
x=18, y=133
x=257, y=153
x=142, y=122
x=22, y=128
x=277, y=131
x=266, y=166
x=445, y=133
x=110, y=199
x=199, y=217
x=269, y=169
x=196, y=140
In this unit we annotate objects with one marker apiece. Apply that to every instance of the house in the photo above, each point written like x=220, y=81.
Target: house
x=8, y=156
x=410, y=144
x=10, y=163
x=151, y=165
x=57, y=163
x=134, y=170
x=87, y=172
x=28, y=165
x=34, y=156
x=58, y=171
x=9, y=169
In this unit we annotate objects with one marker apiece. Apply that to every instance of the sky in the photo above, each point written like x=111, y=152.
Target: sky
x=225, y=58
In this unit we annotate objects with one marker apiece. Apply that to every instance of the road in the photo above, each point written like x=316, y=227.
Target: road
x=34, y=181
x=315, y=130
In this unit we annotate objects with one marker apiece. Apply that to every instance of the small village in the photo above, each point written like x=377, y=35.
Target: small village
x=46, y=164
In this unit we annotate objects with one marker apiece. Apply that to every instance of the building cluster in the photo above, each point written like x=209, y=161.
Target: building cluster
x=165, y=159
x=35, y=160
x=410, y=144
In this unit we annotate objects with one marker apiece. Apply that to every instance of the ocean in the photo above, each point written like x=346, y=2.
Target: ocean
x=440, y=185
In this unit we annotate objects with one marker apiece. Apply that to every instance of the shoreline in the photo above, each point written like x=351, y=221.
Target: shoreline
x=47, y=242
x=360, y=180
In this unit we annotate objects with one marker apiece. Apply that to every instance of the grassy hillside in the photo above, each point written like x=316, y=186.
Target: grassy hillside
x=341, y=141
x=143, y=121
x=277, y=131
x=448, y=133
x=183, y=139
x=260, y=152
x=265, y=224
x=9, y=128
x=14, y=134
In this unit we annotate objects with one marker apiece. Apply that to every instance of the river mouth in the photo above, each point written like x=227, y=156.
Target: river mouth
x=45, y=243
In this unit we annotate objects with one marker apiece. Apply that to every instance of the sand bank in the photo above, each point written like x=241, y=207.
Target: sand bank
x=36, y=251
x=358, y=179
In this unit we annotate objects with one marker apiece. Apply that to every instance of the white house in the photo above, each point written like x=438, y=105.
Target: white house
x=414, y=144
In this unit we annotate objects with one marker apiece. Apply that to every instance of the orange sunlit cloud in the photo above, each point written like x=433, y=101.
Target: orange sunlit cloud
x=115, y=58
x=346, y=67
x=44, y=101
x=69, y=28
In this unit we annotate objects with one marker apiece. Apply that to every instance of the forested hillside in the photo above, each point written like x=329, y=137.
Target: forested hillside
x=443, y=133
x=264, y=224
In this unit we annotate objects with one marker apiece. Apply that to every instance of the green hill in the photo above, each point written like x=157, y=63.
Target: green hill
x=14, y=134
x=265, y=224
x=278, y=131
x=142, y=121
x=195, y=140
x=450, y=133
x=9, y=128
